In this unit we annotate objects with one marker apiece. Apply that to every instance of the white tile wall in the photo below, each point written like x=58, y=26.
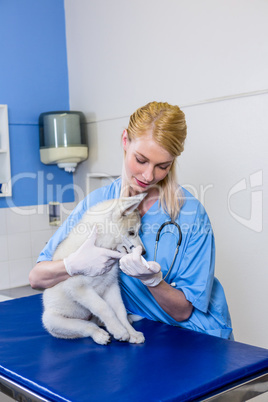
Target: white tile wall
x=24, y=232
x=3, y=225
x=4, y=276
x=3, y=248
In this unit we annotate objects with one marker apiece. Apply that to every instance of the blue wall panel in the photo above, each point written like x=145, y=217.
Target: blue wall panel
x=33, y=79
x=33, y=182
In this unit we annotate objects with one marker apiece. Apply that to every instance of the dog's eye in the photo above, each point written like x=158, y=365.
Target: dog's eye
x=131, y=233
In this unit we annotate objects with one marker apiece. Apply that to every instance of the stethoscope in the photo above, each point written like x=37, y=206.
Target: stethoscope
x=128, y=246
x=178, y=244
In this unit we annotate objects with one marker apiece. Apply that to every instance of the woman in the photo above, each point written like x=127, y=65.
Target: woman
x=178, y=290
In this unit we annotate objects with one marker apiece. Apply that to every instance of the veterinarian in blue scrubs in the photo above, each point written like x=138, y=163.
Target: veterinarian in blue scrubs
x=187, y=295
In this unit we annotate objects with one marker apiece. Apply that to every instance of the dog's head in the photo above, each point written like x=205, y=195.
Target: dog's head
x=120, y=218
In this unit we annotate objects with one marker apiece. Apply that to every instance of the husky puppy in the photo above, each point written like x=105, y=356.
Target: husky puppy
x=73, y=308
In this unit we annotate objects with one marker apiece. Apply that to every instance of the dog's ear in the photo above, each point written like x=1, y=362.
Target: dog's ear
x=129, y=204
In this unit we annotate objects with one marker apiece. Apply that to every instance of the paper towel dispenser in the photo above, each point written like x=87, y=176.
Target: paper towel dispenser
x=62, y=139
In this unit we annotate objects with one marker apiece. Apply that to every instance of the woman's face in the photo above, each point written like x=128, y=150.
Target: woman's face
x=146, y=162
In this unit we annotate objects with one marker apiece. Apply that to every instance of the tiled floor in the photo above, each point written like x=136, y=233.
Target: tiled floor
x=16, y=293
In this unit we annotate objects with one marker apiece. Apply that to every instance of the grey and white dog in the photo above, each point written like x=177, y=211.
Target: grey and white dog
x=75, y=307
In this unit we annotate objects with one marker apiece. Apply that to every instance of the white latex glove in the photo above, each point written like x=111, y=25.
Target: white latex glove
x=90, y=260
x=132, y=265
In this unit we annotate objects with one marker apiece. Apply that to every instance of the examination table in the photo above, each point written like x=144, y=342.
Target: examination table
x=173, y=364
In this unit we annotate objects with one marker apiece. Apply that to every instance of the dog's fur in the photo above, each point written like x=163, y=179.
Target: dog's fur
x=73, y=308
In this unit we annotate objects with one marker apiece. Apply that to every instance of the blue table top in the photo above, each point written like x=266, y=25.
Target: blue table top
x=172, y=365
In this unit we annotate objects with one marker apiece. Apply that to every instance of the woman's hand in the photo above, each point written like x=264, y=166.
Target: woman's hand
x=132, y=265
x=171, y=300
x=89, y=259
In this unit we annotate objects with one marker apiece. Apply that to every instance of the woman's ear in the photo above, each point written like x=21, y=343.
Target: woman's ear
x=125, y=139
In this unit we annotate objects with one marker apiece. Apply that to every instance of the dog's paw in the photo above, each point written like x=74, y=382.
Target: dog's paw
x=101, y=337
x=133, y=318
x=137, y=337
x=121, y=335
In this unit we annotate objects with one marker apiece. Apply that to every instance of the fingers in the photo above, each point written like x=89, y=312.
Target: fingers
x=154, y=267
x=104, y=265
x=131, y=264
x=136, y=254
x=106, y=259
x=126, y=265
x=114, y=254
x=133, y=259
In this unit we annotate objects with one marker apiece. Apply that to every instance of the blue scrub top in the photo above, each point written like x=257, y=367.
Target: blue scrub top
x=192, y=272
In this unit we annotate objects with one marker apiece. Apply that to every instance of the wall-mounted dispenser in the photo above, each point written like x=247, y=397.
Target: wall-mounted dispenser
x=62, y=139
x=54, y=213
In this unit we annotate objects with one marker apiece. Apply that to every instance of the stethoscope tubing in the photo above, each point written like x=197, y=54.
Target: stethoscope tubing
x=178, y=243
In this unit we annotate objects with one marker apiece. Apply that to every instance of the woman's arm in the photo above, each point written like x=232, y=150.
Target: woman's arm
x=46, y=274
x=88, y=260
x=172, y=301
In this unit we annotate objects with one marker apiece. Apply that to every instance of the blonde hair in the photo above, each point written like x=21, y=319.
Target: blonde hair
x=168, y=126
